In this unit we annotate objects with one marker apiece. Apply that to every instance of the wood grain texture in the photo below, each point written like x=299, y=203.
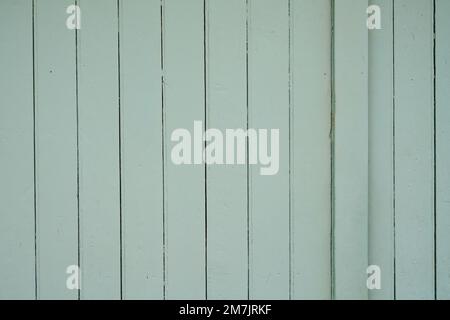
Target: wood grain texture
x=17, y=223
x=414, y=152
x=350, y=149
x=184, y=103
x=311, y=148
x=442, y=150
x=100, y=220
x=142, y=168
x=56, y=149
x=268, y=57
x=381, y=151
x=227, y=184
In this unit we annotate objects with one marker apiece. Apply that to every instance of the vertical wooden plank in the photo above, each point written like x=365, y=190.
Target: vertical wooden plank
x=311, y=148
x=17, y=263
x=56, y=148
x=269, y=109
x=442, y=149
x=227, y=185
x=183, y=23
x=350, y=149
x=381, y=151
x=99, y=150
x=142, y=183
x=414, y=160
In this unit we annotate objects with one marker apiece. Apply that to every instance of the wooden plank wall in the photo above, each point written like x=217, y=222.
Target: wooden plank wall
x=268, y=107
x=17, y=169
x=99, y=151
x=184, y=103
x=141, y=147
x=381, y=150
x=226, y=83
x=442, y=64
x=350, y=150
x=414, y=149
x=56, y=150
x=311, y=88
x=86, y=123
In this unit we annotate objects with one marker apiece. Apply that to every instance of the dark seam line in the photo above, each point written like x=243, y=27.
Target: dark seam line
x=394, y=148
x=34, y=153
x=78, y=154
x=332, y=110
x=290, y=147
x=435, y=145
x=120, y=150
x=205, y=166
x=163, y=151
x=247, y=145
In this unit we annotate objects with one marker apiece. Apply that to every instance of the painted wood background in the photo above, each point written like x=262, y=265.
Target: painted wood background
x=86, y=177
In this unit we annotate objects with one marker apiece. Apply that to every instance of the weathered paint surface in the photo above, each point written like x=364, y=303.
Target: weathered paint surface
x=86, y=177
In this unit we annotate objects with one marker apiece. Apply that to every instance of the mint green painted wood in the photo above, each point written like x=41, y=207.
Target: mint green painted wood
x=184, y=103
x=142, y=180
x=56, y=149
x=269, y=109
x=147, y=228
x=227, y=184
x=99, y=150
x=311, y=149
x=350, y=149
x=414, y=159
x=381, y=151
x=442, y=149
x=17, y=262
